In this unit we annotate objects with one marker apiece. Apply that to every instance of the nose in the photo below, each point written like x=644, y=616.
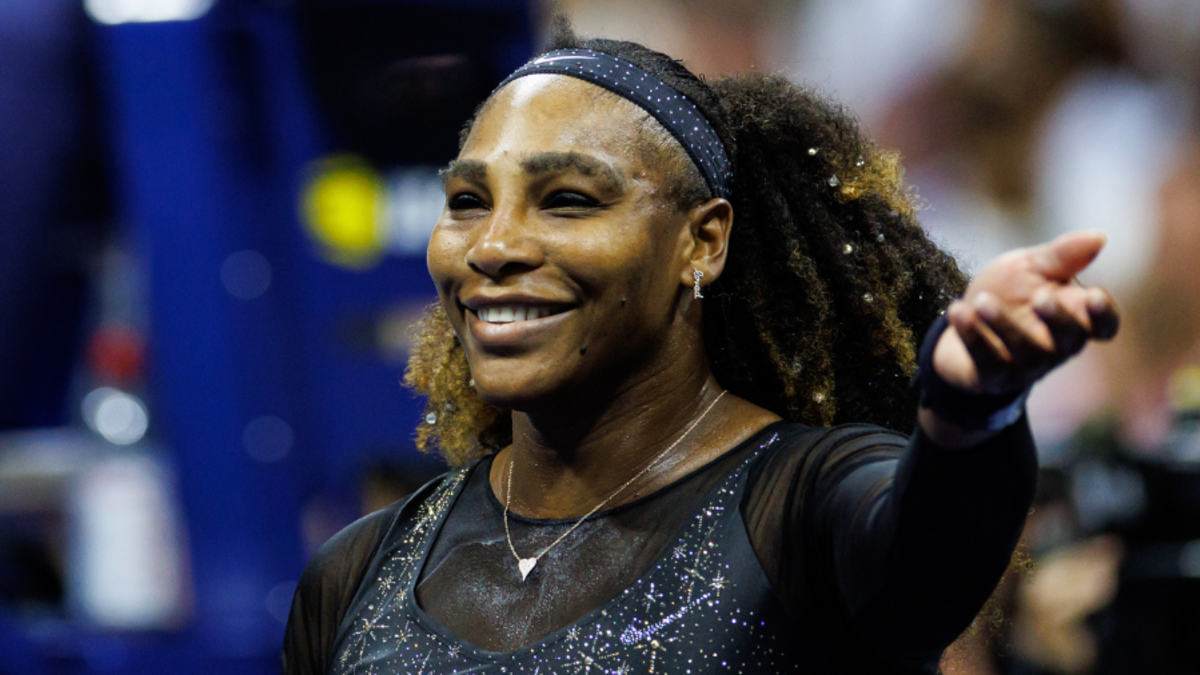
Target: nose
x=505, y=244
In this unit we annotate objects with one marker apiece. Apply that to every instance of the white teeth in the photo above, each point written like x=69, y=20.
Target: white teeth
x=511, y=314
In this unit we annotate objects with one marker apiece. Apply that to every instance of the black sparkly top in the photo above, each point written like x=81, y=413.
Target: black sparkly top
x=845, y=550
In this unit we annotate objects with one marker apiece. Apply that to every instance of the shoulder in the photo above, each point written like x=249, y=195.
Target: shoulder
x=332, y=577
x=801, y=464
x=796, y=449
x=339, y=560
x=346, y=555
x=335, y=571
x=802, y=479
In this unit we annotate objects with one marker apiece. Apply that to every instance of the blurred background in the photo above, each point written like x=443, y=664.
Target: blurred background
x=213, y=216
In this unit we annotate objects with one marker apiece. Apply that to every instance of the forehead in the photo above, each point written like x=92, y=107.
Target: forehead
x=549, y=113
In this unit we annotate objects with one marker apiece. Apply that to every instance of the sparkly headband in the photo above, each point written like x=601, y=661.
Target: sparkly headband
x=672, y=109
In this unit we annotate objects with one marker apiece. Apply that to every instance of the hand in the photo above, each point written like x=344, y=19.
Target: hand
x=1023, y=316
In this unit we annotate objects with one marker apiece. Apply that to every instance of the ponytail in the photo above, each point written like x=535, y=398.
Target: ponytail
x=830, y=280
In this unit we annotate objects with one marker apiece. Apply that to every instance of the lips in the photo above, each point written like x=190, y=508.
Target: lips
x=512, y=321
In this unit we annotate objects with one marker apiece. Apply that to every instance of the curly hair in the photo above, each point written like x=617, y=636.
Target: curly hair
x=828, y=282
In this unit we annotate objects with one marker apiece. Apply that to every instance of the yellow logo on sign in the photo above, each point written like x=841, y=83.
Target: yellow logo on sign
x=341, y=206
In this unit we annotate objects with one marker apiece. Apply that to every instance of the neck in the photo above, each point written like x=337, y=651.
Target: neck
x=568, y=459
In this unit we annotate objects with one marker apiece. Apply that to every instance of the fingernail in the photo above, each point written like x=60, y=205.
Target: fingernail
x=1097, y=300
x=1042, y=301
x=1099, y=235
x=984, y=306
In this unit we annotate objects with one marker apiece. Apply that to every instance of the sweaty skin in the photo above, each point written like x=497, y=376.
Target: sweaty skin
x=552, y=204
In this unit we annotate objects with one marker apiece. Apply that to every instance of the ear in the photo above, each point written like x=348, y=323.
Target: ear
x=707, y=244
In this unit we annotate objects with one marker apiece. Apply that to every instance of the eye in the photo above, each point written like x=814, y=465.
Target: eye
x=564, y=199
x=464, y=201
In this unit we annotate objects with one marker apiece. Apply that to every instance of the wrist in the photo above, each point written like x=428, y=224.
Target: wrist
x=949, y=406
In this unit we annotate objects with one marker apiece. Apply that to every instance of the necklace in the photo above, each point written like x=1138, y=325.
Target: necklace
x=526, y=565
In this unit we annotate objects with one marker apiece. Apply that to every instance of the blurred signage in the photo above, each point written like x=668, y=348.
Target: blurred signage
x=356, y=215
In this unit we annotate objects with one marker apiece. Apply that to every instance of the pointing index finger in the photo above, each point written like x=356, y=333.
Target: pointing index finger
x=1064, y=257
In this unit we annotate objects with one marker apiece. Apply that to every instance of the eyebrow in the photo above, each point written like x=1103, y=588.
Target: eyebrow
x=541, y=163
x=467, y=169
x=552, y=162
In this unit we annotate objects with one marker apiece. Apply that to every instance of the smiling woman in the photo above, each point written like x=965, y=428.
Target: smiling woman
x=656, y=296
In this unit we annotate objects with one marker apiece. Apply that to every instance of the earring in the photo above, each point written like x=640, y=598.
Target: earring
x=697, y=275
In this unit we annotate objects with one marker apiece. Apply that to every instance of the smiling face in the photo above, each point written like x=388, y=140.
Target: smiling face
x=559, y=257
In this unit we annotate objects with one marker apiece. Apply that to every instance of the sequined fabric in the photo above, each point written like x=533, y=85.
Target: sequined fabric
x=856, y=549
x=704, y=606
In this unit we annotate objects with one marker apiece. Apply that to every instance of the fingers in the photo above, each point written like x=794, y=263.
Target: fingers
x=1065, y=316
x=1076, y=314
x=1062, y=258
x=1031, y=340
x=990, y=358
x=1023, y=316
x=1013, y=344
x=1104, y=314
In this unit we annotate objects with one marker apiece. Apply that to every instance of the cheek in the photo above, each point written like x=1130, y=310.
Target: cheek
x=605, y=261
x=444, y=256
x=625, y=267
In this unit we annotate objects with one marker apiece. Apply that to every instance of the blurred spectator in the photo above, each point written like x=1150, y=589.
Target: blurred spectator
x=713, y=37
x=1073, y=583
x=870, y=53
x=1162, y=318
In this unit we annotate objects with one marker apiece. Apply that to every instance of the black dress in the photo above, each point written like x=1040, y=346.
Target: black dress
x=842, y=550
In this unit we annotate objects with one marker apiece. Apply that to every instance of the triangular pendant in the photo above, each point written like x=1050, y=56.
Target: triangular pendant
x=526, y=566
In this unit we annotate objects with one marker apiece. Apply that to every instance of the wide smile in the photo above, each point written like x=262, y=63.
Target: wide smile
x=513, y=324
x=513, y=313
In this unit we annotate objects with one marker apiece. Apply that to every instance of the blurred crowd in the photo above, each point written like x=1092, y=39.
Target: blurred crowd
x=1017, y=120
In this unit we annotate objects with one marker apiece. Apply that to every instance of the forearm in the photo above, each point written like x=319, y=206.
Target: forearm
x=935, y=545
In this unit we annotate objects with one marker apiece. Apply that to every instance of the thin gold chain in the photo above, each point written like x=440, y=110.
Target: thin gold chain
x=597, y=507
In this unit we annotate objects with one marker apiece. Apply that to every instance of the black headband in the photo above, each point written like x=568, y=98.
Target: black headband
x=672, y=109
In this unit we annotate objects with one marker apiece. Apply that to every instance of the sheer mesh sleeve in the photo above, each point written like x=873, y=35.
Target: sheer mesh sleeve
x=897, y=541
x=326, y=589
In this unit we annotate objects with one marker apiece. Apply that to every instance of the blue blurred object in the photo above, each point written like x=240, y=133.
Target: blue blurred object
x=273, y=368
x=48, y=149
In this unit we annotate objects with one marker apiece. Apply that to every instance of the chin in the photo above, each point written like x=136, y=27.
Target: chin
x=512, y=393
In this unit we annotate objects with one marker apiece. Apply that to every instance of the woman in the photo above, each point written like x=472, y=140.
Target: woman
x=656, y=295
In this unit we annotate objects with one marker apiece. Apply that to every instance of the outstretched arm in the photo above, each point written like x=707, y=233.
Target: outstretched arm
x=909, y=549
x=1023, y=316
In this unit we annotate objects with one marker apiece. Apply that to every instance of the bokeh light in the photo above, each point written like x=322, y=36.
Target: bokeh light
x=146, y=11
x=119, y=417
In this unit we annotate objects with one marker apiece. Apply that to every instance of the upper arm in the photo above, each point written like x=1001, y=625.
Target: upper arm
x=807, y=497
x=894, y=540
x=325, y=591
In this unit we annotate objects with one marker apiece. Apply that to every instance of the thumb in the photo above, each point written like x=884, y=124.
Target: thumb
x=1066, y=256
